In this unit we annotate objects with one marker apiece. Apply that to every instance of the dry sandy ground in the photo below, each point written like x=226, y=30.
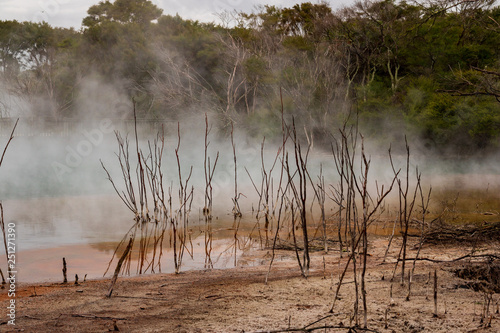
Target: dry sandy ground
x=238, y=300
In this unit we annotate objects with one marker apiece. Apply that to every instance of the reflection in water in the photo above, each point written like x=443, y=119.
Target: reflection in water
x=86, y=230
x=51, y=222
x=91, y=260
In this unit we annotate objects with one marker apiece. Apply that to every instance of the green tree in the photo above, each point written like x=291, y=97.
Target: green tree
x=32, y=65
x=117, y=44
x=10, y=47
x=141, y=12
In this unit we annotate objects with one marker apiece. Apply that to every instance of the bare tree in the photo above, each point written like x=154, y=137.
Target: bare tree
x=406, y=205
x=146, y=197
x=299, y=197
x=209, y=170
x=357, y=189
x=2, y=222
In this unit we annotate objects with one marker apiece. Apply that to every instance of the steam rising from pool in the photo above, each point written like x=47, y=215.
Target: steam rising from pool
x=54, y=187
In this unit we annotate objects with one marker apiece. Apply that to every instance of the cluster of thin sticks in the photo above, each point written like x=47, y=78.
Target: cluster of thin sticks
x=209, y=170
x=152, y=206
x=357, y=207
x=285, y=208
x=155, y=217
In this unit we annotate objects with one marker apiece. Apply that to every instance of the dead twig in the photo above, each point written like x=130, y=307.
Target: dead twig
x=2, y=224
x=141, y=297
x=30, y=317
x=489, y=256
x=119, y=266
x=312, y=329
x=435, y=294
x=64, y=270
x=77, y=315
x=8, y=142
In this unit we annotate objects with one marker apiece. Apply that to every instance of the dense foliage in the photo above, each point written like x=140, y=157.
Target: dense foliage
x=429, y=69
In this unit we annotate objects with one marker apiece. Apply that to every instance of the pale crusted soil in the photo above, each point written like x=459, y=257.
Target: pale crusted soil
x=238, y=300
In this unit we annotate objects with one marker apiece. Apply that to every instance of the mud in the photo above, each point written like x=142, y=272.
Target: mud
x=238, y=300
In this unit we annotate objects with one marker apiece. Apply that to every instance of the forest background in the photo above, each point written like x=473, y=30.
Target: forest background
x=430, y=70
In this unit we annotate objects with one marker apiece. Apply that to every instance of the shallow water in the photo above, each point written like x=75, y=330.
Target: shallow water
x=86, y=230
x=88, y=241
x=73, y=212
x=91, y=261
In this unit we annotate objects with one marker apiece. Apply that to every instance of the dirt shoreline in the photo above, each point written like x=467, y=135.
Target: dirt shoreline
x=238, y=300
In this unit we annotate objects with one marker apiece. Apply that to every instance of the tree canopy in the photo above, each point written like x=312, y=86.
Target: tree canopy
x=429, y=68
x=141, y=12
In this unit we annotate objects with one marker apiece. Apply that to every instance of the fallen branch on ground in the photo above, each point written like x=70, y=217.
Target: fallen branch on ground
x=308, y=327
x=490, y=256
x=89, y=316
x=142, y=297
x=30, y=317
x=312, y=329
x=466, y=233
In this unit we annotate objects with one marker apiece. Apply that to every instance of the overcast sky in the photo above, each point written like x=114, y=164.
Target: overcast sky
x=69, y=13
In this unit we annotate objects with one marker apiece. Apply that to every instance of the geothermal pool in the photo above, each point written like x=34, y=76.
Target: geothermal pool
x=56, y=193
x=85, y=230
x=54, y=190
